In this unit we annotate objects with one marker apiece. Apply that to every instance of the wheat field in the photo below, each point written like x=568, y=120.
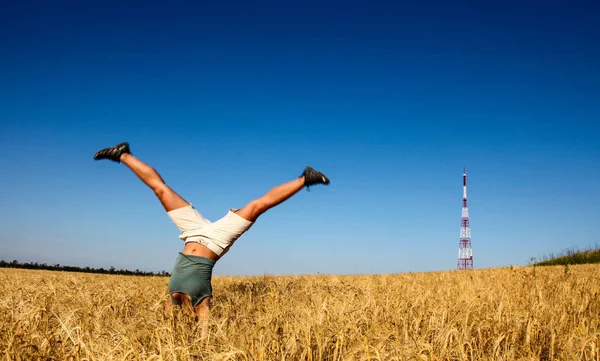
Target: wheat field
x=546, y=313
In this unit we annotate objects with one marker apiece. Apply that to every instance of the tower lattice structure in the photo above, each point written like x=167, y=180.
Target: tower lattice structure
x=465, y=252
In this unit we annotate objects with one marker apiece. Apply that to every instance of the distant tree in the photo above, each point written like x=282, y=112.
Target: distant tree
x=86, y=269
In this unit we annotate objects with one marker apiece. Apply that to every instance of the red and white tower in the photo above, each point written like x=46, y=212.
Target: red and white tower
x=465, y=252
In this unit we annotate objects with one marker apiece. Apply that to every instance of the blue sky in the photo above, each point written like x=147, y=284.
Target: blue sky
x=228, y=99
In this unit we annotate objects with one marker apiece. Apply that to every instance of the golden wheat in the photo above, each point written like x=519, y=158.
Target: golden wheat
x=494, y=314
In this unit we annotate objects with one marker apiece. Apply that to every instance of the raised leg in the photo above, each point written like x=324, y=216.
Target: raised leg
x=275, y=196
x=279, y=194
x=169, y=199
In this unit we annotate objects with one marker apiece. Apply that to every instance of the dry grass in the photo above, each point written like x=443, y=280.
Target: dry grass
x=496, y=314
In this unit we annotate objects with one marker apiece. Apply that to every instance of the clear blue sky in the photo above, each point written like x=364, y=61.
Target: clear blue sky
x=227, y=99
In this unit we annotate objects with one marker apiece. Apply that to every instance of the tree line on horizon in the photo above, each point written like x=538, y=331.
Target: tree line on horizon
x=571, y=256
x=58, y=267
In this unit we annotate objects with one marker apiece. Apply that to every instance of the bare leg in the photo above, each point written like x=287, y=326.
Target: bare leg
x=275, y=196
x=169, y=199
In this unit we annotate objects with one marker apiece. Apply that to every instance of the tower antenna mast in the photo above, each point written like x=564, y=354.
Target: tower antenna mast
x=465, y=252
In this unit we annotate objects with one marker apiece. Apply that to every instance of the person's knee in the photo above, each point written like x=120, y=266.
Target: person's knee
x=253, y=210
x=258, y=207
x=160, y=190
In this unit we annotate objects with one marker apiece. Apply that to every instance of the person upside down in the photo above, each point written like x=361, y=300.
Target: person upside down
x=205, y=242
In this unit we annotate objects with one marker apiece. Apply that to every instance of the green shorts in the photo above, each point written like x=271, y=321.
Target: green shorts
x=191, y=276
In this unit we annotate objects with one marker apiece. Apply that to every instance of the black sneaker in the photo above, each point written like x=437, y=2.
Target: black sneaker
x=312, y=177
x=113, y=153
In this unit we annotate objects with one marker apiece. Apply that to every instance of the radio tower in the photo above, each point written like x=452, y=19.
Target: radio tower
x=465, y=252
